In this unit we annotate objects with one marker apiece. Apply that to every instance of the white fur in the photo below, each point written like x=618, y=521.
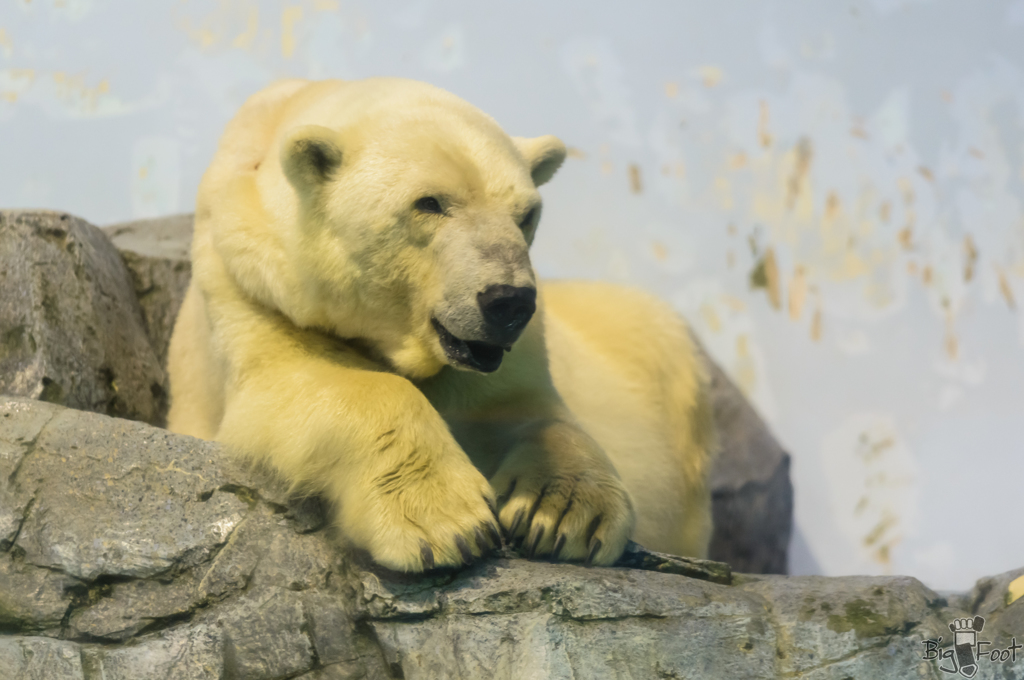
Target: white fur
x=305, y=340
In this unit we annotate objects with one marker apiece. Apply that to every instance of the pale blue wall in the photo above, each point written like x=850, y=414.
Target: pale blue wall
x=893, y=365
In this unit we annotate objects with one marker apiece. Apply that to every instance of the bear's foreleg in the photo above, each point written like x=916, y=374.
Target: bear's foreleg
x=330, y=421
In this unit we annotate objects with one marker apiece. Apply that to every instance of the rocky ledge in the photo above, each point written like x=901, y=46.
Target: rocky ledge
x=129, y=552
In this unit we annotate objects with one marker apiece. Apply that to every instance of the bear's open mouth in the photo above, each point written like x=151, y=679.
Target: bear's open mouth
x=480, y=356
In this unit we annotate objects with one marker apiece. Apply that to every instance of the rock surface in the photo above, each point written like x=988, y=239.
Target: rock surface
x=132, y=553
x=752, y=496
x=71, y=331
x=157, y=253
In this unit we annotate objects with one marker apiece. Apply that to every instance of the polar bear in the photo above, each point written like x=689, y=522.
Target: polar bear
x=364, y=318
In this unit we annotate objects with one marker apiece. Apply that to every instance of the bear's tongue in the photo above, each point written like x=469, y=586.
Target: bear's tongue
x=480, y=356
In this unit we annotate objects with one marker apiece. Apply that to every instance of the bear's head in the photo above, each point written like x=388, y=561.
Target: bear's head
x=414, y=213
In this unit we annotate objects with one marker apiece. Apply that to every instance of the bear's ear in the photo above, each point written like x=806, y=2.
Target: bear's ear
x=543, y=154
x=310, y=155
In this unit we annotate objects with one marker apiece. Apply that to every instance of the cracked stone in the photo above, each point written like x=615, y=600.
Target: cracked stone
x=296, y=561
x=32, y=599
x=40, y=658
x=308, y=513
x=638, y=557
x=264, y=595
x=863, y=622
x=263, y=635
x=331, y=628
x=384, y=599
x=20, y=425
x=1004, y=621
x=71, y=329
x=157, y=255
x=513, y=618
x=184, y=653
x=343, y=671
x=93, y=479
x=234, y=565
x=989, y=594
x=131, y=607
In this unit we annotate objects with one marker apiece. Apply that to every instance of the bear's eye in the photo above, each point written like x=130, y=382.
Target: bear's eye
x=527, y=220
x=429, y=204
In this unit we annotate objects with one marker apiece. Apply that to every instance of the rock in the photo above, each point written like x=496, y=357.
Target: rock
x=751, y=493
x=265, y=635
x=158, y=548
x=71, y=331
x=157, y=253
x=518, y=619
x=752, y=498
x=85, y=525
x=186, y=653
x=990, y=594
x=22, y=422
x=33, y=600
x=123, y=610
x=40, y=658
x=137, y=553
x=1005, y=620
x=857, y=626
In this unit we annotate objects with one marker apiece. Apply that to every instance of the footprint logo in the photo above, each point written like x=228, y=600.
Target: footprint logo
x=965, y=636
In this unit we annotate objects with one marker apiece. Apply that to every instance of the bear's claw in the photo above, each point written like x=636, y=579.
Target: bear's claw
x=515, y=523
x=493, y=507
x=534, y=541
x=495, y=535
x=464, y=550
x=484, y=541
x=427, y=555
x=559, y=544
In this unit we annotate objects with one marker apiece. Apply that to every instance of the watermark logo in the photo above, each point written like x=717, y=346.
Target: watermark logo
x=967, y=651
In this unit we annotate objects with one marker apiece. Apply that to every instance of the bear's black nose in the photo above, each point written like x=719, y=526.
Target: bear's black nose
x=507, y=309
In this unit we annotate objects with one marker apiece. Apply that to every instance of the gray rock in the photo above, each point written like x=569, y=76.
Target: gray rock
x=33, y=600
x=1004, y=620
x=331, y=629
x=751, y=493
x=265, y=635
x=989, y=594
x=89, y=486
x=143, y=554
x=872, y=625
x=157, y=253
x=21, y=423
x=266, y=550
x=71, y=329
x=40, y=658
x=232, y=569
x=517, y=619
x=186, y=653
x=637, y=557
x=342, y=672
x=125, y=609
